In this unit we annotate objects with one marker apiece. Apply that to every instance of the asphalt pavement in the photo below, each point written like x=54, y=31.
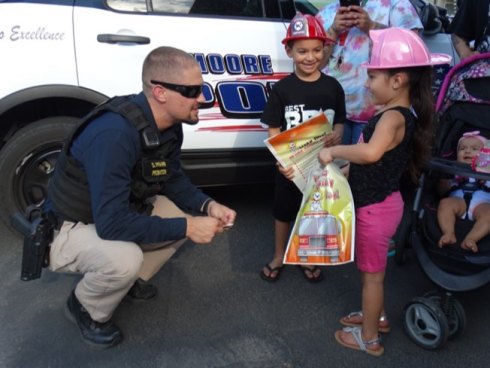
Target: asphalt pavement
x=213, y=310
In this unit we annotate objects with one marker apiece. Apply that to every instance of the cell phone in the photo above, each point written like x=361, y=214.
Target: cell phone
x=349, y=2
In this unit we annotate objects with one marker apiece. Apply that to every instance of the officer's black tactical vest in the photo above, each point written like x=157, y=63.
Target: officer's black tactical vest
x=68, y=189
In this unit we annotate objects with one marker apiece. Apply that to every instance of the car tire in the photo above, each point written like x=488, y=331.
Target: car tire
x=27, y=162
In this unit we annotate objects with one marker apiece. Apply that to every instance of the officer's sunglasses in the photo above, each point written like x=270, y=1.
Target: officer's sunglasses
x=186, y=91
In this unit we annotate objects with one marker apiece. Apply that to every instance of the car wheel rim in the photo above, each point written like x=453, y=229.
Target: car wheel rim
x=33, y=174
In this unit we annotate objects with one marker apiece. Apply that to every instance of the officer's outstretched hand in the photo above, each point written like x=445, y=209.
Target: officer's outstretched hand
x=202, y=229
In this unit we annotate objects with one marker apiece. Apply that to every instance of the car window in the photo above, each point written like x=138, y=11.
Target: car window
x=237, y=8
x=128, y=5
x=242, y=8
x=272, y=9
x=172, y=6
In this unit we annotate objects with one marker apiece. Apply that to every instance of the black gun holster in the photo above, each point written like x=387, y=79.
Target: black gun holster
x=37, y=229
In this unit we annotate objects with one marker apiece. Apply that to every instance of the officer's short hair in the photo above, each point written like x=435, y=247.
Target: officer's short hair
x=167, y=64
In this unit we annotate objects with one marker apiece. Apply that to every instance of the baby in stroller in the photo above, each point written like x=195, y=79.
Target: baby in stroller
x=467, y=198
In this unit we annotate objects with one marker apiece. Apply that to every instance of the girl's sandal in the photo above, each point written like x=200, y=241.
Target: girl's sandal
x=354, y=319
x=361, y=345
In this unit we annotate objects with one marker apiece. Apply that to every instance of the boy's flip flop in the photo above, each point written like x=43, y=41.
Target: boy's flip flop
x=270, y=278
x=360, y=343
x=383, y=325
x=311, y=278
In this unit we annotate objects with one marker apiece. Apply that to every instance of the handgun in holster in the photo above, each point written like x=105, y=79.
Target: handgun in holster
x=37, y=229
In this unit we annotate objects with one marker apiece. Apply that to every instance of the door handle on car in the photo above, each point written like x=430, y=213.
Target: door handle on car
x=115, y=38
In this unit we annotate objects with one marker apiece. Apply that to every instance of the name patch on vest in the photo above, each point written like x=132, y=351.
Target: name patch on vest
x=154, y=170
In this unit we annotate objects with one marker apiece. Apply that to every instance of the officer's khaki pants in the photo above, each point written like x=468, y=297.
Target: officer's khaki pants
x=109, y=267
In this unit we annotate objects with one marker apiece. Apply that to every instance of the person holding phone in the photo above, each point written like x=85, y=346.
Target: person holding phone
x=349, y=22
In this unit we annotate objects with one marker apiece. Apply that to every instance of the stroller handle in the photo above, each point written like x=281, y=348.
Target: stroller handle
x=456, y=168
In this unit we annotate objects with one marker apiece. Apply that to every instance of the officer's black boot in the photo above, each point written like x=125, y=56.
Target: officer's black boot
x=101, y=335
x=142, y=290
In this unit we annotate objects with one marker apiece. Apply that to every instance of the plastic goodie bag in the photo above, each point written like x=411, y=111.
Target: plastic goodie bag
x=324, y=231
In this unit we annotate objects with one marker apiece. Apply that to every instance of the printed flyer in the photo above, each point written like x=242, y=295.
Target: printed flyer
x=324, y=230
x=299, y=146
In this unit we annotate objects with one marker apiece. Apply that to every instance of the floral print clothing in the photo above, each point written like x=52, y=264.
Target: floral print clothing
x=346, y=61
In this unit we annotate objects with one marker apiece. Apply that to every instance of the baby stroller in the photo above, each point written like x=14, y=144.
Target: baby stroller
x=463, y=105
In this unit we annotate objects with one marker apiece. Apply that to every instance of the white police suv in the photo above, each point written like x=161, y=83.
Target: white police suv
x=60, y=58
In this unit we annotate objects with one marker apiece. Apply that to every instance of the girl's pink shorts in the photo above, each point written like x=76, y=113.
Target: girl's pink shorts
x=375, y=226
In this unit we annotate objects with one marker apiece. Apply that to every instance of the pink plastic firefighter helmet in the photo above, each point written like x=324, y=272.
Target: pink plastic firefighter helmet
x=400, y=48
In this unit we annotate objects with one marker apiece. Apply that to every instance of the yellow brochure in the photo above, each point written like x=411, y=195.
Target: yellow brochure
x=299, y=146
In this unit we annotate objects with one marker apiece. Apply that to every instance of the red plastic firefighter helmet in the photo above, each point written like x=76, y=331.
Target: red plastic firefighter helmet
x=305, y=26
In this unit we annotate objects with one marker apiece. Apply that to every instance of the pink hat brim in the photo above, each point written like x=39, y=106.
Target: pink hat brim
x=435, y=59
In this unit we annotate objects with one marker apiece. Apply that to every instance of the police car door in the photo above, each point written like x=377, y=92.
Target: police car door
x=238, y=47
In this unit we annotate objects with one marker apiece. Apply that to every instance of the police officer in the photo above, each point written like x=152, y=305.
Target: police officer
x=118, y=193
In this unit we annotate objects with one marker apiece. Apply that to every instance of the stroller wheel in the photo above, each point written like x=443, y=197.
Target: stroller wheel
x=425, y=323
x=452, y=308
